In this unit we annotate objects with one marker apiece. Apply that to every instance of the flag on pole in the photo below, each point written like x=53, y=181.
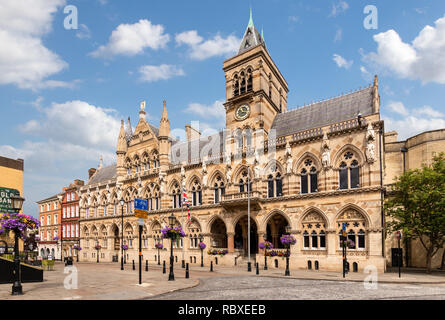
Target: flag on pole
x=187, y=203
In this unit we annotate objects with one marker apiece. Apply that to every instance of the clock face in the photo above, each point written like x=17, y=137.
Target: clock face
x=242, y=112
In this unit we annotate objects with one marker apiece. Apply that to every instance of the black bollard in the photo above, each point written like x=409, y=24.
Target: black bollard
x=163, y=267
x=146, y=265
x=187, y=271
x=211, y=266
x=257, y=268
x=134, y=268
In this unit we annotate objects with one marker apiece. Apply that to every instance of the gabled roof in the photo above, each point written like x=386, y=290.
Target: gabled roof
x=322, y=113
x=104, y=174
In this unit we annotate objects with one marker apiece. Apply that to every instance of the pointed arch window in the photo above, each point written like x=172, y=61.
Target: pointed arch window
x=274, y=185
x=236, y=86
x=349, y=172
x=243, y=82
x=219, y=189
x=249, y=80
x=196, y=193
x=244, y=186
x=309, y=178
x=176, y=197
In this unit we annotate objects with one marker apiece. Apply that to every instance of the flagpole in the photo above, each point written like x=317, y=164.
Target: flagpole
x=249, y=266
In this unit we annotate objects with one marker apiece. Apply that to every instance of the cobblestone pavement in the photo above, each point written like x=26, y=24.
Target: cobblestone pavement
x=105, y=281
x=268, y=288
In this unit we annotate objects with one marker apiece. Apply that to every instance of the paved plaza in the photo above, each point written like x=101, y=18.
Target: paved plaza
x=105, y=281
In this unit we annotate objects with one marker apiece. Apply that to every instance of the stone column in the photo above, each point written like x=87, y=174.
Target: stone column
x=261, y=239
x=231, y=242
x=331, y=241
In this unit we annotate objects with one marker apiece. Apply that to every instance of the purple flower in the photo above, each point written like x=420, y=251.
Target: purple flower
x=288, y=240
x=159, y=245
x=265, y=245
x=202, y=245
x=124, y=247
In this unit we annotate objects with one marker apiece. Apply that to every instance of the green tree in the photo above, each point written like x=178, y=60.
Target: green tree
x=416, y=206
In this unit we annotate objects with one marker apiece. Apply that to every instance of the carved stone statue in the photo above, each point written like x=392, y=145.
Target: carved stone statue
x=139, y=186
x=326, y=158
x=370, y=135
x=257, y=171
x=228, y=158
x=289, y=165
x=370, y=151
x=229, y=174
x=143, y=106
x=161, y=181
x=182, y=172
x=288, y=149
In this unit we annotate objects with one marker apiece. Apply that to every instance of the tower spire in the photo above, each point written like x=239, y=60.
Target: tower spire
x=251, y=19
x=164, y=128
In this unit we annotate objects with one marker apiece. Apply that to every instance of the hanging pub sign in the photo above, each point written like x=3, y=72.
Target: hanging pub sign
x=5, y=199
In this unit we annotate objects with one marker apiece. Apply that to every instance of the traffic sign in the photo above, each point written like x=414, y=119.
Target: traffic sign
x=140, y=208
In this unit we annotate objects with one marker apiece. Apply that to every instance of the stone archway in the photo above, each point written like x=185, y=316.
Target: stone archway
x=218, y=233
x=241, y=238
x=276, y=227
x=116, y=237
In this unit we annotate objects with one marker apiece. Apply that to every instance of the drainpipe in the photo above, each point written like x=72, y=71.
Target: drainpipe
x=404, y=150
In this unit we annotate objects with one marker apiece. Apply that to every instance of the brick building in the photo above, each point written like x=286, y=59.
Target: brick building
x=70, y=218
x=50, y=227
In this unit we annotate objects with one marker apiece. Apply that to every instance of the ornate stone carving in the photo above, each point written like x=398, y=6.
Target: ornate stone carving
x=350, y=214
x=326, y=156
x=313, y=217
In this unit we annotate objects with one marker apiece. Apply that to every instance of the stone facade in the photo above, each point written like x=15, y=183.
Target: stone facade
x=310, y=169
x=406, y=155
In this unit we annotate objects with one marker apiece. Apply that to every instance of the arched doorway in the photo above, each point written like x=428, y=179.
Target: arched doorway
x=116, y=237
x=276, y=227
x=241, y=238
x=218, y=234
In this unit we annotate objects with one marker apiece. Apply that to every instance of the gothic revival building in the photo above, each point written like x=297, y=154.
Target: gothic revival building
x=304, y=171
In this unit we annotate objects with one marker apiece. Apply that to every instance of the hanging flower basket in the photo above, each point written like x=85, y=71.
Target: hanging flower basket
x=349, y=243
x=56, y=239
x=17, y=223
x=265, y=245
x=97, y=247
x=287, y=240
x=215, y=252
x=274, y=253
x=124, y=247
x=76, y=247
x=173, y=233
x=202, y=245
x=159, y=246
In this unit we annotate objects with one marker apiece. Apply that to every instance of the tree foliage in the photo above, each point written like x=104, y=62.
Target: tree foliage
x=416, y=206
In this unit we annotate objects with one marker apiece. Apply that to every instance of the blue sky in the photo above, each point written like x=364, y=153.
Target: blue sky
x=63, y=92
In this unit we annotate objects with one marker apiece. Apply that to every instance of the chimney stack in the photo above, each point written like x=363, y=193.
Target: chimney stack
x=191, y=133
x=91, y=172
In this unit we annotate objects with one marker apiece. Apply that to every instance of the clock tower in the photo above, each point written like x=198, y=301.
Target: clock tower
x=256, y=91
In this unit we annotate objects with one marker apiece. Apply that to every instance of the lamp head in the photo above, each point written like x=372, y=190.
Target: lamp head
x=122, y=202
x=17, y=203
x=171, y=220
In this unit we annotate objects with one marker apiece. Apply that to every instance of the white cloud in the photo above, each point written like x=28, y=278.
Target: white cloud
x=132, y=39
x=428, y=111
x=201, y=50
x=76, y=122
x=338, y=35
x=84, y=32
x=215, y=112
x=25, y=61
x=162, y=72
x=62, y=145
x=423, y=59
x=398, y=107
x=342, y=62
x=339, y=7
x=413, y=121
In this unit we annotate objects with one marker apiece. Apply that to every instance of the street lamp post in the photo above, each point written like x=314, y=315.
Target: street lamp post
x=201, y=238
x=121, y=202
x=265, y=252
x=171, y=222
x=97, y=249
x=249, y=264
x=287, y=273
x=17, y=203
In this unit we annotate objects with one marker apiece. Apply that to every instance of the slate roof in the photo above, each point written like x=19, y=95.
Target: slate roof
x=322, y=113
x=104, y=174
x=48, y=199
x=213, y=145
